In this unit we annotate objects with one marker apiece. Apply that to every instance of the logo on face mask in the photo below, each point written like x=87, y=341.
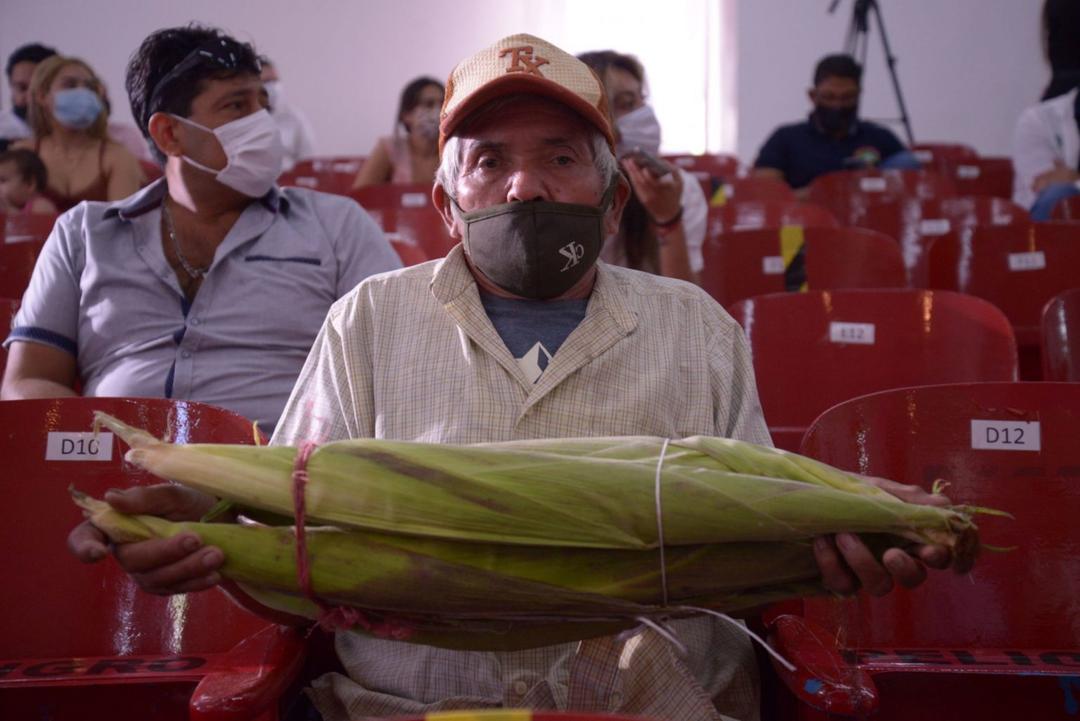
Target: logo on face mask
x=522, y=60
x=574, y=254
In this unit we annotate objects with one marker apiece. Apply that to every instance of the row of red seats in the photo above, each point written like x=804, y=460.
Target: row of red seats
x=1000, y=643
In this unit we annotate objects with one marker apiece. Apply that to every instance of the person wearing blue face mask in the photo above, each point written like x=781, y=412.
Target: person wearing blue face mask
x=69, y=119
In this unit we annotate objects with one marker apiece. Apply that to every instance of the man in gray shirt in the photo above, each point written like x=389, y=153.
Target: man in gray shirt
x=208, y=285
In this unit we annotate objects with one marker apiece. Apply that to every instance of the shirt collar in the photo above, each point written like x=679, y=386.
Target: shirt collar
x=150, y=197
x=452, y=278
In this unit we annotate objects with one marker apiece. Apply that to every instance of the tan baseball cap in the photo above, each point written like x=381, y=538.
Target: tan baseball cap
x=524, y=64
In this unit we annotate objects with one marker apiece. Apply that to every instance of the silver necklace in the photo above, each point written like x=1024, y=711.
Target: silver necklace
x=193, y=272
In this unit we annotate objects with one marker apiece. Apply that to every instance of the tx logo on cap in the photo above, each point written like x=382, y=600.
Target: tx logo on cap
x=574, y=254
x=523, y=61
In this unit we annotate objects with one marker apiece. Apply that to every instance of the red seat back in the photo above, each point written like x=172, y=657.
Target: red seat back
x=942, y=157
x=752, y=189
x=813, y=350
x=848, y=193
x=407, y=249
x=1009, y=446
x=1016, y=269
x=762, y=214
x=710, y=170
x=329, y=175
x=407, y=211
x=69, y=624
x=987, y=176
x=1061, y=337
x=915, y=224
x=16, y=266
x=34, y=227
x=746, y=263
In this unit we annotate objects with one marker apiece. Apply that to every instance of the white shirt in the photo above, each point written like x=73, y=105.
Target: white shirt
x=1045, y=133
x=12, y=126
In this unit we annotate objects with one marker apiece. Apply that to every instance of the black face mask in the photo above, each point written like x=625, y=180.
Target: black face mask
x=20, y=111
x=536, y=249
x=835, y=120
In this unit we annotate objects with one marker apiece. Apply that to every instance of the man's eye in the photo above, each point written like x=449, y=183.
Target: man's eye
x=564, y=160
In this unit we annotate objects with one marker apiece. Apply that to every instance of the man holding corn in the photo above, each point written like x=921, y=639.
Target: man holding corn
x=520, y=333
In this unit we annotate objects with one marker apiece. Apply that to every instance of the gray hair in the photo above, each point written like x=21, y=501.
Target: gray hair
x=450, y=164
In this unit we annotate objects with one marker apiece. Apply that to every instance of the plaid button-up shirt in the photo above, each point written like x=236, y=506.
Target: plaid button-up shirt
x=411, y=355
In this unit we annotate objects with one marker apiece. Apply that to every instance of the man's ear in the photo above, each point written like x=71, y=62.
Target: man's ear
x=618, y=203
x=441, y=199
x=163, y=129
x=812, y=94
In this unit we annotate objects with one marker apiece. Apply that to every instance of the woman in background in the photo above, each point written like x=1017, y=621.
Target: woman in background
x=70, y=123
x=411, y=154
x=663, y=225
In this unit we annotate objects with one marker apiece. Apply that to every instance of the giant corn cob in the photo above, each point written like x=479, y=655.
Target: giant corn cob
x=512, y=544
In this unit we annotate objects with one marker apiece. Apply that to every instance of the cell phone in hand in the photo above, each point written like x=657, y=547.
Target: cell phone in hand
x=654, y=165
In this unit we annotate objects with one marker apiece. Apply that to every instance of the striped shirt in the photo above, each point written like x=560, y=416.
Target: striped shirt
x=412, y=355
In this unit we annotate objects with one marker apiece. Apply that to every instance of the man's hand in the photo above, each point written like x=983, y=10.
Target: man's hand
x=162, y=565
x=1060, y=174
x=662, y=197
x=847, y=564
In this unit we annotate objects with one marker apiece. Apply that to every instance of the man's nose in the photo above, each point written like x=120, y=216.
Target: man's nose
x=526, y=184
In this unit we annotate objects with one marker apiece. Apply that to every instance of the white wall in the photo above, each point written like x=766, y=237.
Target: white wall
x=344, y=62
x=967, y=67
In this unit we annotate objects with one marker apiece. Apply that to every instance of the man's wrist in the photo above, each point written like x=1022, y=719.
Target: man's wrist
x=670, y=222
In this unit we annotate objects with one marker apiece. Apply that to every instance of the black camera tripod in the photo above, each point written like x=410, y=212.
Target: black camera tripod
x=858, y=41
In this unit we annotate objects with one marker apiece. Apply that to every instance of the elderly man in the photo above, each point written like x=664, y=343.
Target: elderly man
x=520, y=333
x=209, y=284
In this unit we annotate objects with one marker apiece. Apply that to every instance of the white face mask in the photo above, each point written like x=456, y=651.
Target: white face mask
x=639, y=130
x=254, y=151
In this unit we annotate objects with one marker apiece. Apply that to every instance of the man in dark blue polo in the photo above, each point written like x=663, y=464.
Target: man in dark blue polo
x=832, y=137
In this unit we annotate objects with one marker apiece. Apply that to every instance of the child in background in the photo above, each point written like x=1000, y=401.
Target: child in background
x=22, y=176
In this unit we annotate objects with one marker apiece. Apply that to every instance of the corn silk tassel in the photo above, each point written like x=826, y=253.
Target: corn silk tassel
x=511, y=545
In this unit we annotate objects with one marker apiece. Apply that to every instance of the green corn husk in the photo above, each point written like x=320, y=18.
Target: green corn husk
x=512, y=545
x=577, y=493
x=486, y=596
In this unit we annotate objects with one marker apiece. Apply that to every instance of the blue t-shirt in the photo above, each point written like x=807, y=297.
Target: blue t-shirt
x=802, y=152
x=533, y=330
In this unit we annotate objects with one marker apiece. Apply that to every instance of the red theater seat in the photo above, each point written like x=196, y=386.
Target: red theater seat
x=16, y=266
x=942, y=157
x=407, y=210
x=848, y=193
x=81, y=641
x=35, y=227
x=1061, y=337
x=1002, y=642
x=329, y=175
x=710, y=170
x=915, y=224
x=816, y=349
x=746, y=263
x=984, y=176
x=1016, y=270
x=741, y=190
x=762, y=214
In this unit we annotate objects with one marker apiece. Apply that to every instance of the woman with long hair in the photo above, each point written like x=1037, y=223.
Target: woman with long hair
x=411, y=154
x=69, y=117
